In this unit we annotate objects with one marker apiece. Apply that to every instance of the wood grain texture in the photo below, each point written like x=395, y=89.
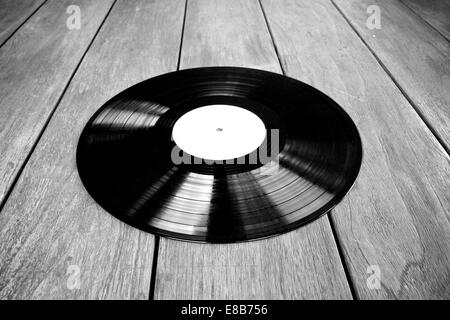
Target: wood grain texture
x=49, y=222
x=416, y=55
x=13, y=13
x=435, y=12
x=303, y=264
x=35, y=66
x=397, y=215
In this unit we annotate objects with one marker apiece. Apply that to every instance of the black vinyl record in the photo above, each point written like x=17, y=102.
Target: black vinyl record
x=124, y=157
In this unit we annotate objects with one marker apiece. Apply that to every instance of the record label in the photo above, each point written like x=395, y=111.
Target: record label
x=219, y=132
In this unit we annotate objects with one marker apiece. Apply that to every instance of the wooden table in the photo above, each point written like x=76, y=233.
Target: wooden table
x=394, y=226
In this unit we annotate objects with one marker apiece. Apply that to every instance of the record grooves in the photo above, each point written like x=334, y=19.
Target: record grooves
x=125, y=157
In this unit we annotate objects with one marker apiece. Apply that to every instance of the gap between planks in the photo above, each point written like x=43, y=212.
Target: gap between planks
x=22, y=23
x=157, y=238
x=424, y=20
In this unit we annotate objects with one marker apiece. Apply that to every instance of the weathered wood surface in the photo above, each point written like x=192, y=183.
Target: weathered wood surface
x=13, y=13
x=397, y=215
x=35, y=67
x=435, y=12
x=303, y=264
x=417, y=57
x=49, y=226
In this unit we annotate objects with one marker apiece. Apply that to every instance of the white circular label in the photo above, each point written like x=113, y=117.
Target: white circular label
x=219, y=132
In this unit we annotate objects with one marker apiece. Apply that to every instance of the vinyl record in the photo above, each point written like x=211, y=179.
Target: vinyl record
x=125, y=155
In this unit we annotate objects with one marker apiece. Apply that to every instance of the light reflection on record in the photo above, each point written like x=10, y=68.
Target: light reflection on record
x=124, y=157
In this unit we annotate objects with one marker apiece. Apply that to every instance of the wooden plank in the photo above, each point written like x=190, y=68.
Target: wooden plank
x=417, y=57
x=397, y=215
x=301, y=264
x=435, y=12
x=49, y=226
x=36, y=65
x=13, y=13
